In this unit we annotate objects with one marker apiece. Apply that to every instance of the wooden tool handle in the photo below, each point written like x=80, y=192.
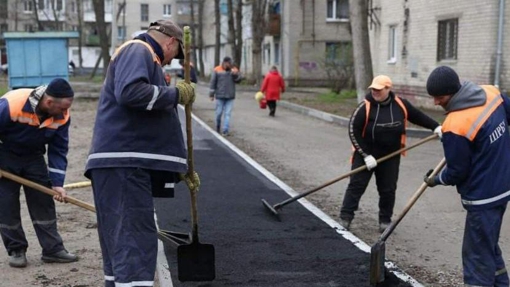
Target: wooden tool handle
x=411, y=202
x=45, y=189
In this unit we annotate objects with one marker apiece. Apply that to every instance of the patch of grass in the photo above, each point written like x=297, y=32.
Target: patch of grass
x=332, y=97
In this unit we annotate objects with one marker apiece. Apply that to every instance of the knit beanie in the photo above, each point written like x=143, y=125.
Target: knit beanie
x=443, y=81
x=59, y=88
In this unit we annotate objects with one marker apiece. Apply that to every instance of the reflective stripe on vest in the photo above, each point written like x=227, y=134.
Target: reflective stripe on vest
x=467, y=123
x=155, y=57
x=17, y=99
x=401, y=104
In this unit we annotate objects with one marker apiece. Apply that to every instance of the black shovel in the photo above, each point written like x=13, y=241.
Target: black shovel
x=195, y=261
x=378, y=250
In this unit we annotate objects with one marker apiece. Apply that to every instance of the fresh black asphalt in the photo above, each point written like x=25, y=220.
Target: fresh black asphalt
x=252, y=247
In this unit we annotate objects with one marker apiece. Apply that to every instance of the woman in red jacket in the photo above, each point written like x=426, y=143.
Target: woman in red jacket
x=272, y=86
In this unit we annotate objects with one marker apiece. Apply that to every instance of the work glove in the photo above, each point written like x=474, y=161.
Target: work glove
x=430, y=181
x=370, y=162
x=186, y=92
x=192, y=182
x=438, y=131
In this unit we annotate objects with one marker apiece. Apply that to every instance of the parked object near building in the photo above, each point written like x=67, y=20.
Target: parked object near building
x=37, y=58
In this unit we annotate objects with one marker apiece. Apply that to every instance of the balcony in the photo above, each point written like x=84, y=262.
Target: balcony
x=273, y=25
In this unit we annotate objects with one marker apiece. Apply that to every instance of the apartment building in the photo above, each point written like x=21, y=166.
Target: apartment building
x=409, y=38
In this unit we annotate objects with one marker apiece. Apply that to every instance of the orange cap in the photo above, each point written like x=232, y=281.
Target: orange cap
x=380, y=82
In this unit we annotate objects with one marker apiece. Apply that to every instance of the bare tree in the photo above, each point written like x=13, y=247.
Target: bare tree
x=40, y=26
x=101, y=30
x=231, y=28
x=238, y=51
x=200, y=39
x=338, y=65
x=193, y=31
x=122, y=6
x=217, y=24
x=258, y=27
x=361, y=46
x=79, y=7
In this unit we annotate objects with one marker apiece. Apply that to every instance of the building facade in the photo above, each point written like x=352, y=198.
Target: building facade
x=411, y=38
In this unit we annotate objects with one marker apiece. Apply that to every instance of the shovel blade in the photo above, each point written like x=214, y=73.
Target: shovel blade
x=196, y=262
x=377, y=258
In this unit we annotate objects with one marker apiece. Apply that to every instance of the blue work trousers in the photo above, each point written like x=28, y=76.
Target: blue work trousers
x=223, y=109
x=126, y=226
x=41, y=206
x=481, y=256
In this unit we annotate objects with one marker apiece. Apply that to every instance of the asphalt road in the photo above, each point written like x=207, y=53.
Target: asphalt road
x=252, y=247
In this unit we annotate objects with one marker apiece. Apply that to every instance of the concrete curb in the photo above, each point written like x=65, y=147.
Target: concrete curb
x=341, y=121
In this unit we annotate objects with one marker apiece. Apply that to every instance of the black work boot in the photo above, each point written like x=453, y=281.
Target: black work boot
x=18, y=259
x=60, y=257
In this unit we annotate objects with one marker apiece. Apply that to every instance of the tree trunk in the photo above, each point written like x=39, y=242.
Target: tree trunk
x=238, y=52
x=101, y=30
x=193, y=32
x=258, y=27
x=231, y=39
x=40, y=26
x=363, y=72
x=217, y=25
x=79, y=4
x=200, y=39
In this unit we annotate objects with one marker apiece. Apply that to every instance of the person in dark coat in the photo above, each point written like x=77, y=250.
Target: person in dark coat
x=137, y=152
x=377, y=127
x=476, y=146
x=272, y=86
x=30, y=121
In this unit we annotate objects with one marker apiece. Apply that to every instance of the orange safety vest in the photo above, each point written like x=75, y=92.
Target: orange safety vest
x=154, y=56
x=401, y=104
x=468, y=122
x=17, y=100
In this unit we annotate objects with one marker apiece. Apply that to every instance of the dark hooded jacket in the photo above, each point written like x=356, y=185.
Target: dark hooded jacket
x=381, y=133
x=476, y=146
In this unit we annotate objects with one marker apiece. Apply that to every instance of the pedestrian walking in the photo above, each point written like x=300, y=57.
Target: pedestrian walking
x=223, y=89
x=137, y=152
x=476, y=145
x=377, y=127
x=272, y=86
x=30, y=120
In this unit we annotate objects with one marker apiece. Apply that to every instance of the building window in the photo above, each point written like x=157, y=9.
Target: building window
x=392, y=45
x=183, y=9
x=121, y=32
x=277, y=53
x=338, y=52
x=144, y=10
x=27, y=6
x=167, y=10
x=40, y=4
x=338, y=10
x=447, y=36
